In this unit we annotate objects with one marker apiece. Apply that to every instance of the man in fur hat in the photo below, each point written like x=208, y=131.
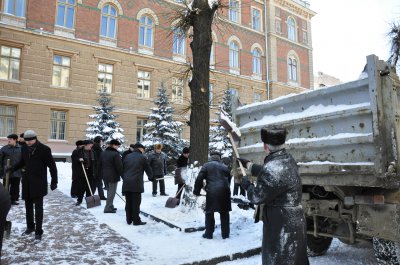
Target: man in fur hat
x=279, y=189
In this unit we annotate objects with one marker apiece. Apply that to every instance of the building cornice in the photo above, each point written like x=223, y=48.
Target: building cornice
x=296, y=8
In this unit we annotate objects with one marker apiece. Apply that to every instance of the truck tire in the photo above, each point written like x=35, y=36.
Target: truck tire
x=386, y=252
x=317, y=246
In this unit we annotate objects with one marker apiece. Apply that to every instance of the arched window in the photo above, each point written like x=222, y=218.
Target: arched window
x=146, y=31
x=291, y=25
x=292, y=69
x=65, y=13
x=256, y=62
x=234, y=55
x=179, y=42
x=108, y=21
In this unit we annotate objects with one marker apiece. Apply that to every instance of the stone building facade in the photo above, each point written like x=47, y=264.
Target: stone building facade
x=56, y=54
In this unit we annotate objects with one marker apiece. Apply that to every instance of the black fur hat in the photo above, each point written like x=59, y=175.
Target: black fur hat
x=115, y=142
x=273, y=135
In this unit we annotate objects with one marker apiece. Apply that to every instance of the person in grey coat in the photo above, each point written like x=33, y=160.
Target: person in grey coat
x=158, y=164
x=135, y=164
x=218, y=198
x=279, y=188
x=110, y=167
x=11, y=151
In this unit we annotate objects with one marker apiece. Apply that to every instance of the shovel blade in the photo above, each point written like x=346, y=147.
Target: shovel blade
x=92, y=201
x=172, y=202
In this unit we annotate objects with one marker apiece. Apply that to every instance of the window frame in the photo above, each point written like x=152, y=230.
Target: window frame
x=253, y=25
x=178, y=42
x=15, y=2
x=234, y=55
x=256, y=59
x=103, y=88
x=141, y=129
x=291, y=29
x=10, y=58
x=144, y=80
x=67, y=6
x=146, y=28
x=234, y=11
x=62, y=67
x=178, y=83
x=108, y=17
x=7, y=118
x=256, y=97
x=58, y=121
x=292, y=69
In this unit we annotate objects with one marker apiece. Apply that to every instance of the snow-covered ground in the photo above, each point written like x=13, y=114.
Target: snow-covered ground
x=157, y=243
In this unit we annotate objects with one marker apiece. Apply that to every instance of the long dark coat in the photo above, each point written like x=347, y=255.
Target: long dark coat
x=75, y=164
x=279, y=189
x=158, y=163
x=135, y=164
x=217, y=176
x=14, y=154
x=35, y=160
x=110, y=165
x=89, y=162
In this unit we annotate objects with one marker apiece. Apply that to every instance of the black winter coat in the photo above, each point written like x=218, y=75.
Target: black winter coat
x=110, y=165
x=90, y=164
x=182, y=161
x=75, y=164
x=279, y=189
x=135, y=164
x=36, y=159
x=158, y=163
x=14, y=154
x=217, y=176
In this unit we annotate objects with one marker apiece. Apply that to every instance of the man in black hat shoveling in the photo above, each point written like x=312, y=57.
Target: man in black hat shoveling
x=279, y=189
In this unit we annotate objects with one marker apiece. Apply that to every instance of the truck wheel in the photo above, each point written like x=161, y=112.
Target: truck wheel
x=386, y=252
x=317, y=246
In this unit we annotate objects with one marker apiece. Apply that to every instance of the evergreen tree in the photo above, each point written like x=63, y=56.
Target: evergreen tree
x=104, y=123
x=219, y=139
x=163, y=129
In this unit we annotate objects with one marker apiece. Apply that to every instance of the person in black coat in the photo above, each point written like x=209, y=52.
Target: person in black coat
x=86, y=157
x=12, y=151
x=110, y=170
x=135, y=164
x=218, y=198
x=127, y=152
x=182, y=162
x=5, y=205
x=279, y=188
x=158, y=164
x=76, y=167
x=97, y=150
x=36, y=158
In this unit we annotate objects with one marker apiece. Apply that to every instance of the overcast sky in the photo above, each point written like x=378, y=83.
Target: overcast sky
x=344, y=32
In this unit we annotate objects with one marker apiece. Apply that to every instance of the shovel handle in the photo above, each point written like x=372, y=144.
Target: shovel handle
x=87, y=180
x=236, y=154
x=158, y=179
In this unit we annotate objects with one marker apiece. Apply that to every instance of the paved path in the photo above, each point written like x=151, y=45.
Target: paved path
x=71, y=236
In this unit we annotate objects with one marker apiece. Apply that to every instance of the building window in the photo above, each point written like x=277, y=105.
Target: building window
x=14, y=7
x=177, y=90
x=108, y=21
x=58, y=124
x=256, y=97
x=66, y=13
x=179, y=42
x=278, y=26
x=61, y=71
x=234, y=55
x=141, y=129
x=212, y=56
x=143, y=87
x=146, y=31
x=256, y=19
x=10, y=59
x=256, y=62
x=7, y=120
x=105, y=77
x=234, y=10
x=291, y=24
x=292, y=69
x=210, y=93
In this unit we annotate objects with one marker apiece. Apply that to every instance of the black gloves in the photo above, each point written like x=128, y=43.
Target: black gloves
x=244, y=161
x=53, y=185
x=245, y=183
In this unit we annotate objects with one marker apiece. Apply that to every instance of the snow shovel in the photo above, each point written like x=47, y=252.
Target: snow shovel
x=8, y=224
x=92, y=200
x=173, y=202
x=233, y=133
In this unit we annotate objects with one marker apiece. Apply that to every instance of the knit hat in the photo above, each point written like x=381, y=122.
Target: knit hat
x=273, y=135
x=97, y=139
x=138, y=145
x=13, y=136
x=79, y=142
x=29, y=135
x=115, y=142
x=186, y=150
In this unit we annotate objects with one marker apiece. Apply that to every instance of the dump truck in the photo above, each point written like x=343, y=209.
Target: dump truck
x=346, y=141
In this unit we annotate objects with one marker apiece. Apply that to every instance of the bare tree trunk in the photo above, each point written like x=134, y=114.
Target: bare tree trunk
x=199, y=85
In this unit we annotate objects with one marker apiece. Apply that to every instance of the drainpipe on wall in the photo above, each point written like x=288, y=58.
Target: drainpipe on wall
x=266, y=19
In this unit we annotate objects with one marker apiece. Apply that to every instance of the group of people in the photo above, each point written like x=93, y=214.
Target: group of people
x=278, y=186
